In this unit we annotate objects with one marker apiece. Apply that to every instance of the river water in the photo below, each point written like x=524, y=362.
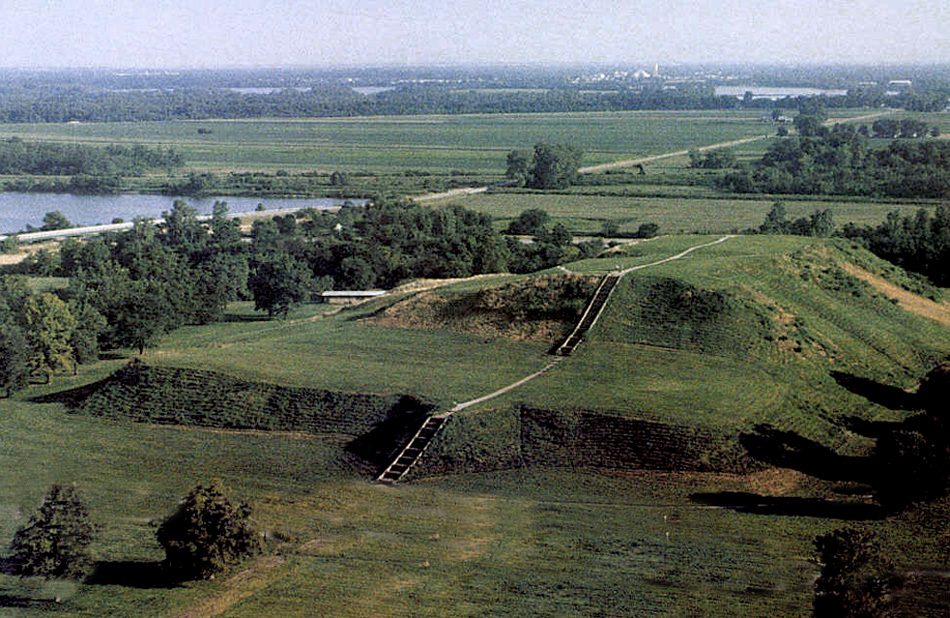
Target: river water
x=18, y=210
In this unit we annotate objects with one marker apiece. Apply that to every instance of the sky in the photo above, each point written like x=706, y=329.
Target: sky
x=327, y=33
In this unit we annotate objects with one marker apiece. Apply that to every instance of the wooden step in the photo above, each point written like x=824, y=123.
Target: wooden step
x=413, y=450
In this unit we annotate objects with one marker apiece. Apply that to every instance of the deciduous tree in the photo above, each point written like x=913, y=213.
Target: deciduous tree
x=207, y=533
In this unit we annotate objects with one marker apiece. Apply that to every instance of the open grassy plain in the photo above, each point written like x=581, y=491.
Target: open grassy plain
x=529, y=540
x=743, y=332
x=439, y=144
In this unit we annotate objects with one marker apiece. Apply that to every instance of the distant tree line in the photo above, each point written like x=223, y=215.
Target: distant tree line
x=50, y=159
x=840, y=161
x=21, y=103
x=918, y=242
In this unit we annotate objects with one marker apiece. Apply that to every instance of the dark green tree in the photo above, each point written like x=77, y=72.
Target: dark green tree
x=776, y=221
x=529, y=222
x=14, y=358
x=207, y=533
x=554, y=166
x=55, y=220
x=519, y=162
x=141, y=316
x=279, y=283
x=854, y=576
x=55, y=542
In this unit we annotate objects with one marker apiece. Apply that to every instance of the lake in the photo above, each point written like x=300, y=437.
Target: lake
x=17, y=210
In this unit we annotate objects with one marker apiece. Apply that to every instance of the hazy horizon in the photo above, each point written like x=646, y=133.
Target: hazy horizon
x=248, y=34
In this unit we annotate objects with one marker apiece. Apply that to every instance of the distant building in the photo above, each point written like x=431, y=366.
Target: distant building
x=347, y=297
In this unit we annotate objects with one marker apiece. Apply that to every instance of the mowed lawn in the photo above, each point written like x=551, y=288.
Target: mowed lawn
x=523, y=542
x=439, y=144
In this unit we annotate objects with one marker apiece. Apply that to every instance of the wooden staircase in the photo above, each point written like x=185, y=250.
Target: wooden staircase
x=593, y=311
x=413, y=450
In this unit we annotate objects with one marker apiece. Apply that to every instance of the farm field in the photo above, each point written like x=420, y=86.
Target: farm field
x=586, y=214
x=439, y=144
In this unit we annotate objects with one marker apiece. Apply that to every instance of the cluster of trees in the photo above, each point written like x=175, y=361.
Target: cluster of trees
x=548, y=166
x=202, y=537
x=49, y=159
x=127, y=289
x=905, y=128
x=819, y=223
x=840, y=161
x=918, y=242
x=721, y=158
x=41, y=334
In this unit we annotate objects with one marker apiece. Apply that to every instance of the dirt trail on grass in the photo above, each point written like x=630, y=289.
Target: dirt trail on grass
x=669, y=155
x=236, y=589
x=466, y=404
x=908, y=301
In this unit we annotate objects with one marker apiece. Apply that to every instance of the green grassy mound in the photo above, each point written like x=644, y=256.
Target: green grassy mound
x=177, y=396
x=521, y=436
x=540, y=308
x=785, y=300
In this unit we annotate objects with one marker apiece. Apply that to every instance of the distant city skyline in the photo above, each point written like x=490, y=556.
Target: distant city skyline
x=326, y=33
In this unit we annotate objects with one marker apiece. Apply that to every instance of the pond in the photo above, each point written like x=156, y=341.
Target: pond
x=18, y=210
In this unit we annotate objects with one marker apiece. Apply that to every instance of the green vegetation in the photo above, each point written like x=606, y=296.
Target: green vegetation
x=55, y=542
x=205, y=399
x=840, y=161
x=207, y=533
x=437, y=144
x=693, y=362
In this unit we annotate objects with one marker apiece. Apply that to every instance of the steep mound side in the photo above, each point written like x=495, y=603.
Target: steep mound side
x=673, y=313
x=541, y=309
x=524, y=436
x=827, y=304
x=169, y=395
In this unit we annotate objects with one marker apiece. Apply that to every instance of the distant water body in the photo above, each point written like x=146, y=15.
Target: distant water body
x=18, y=210
x=775, y=93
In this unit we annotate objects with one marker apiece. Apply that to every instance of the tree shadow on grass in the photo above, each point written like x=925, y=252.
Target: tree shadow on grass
x=72, y=397
x=890, y=397
x=788, y=449
x=745, y=502
x=235, y=318
x=131, y=574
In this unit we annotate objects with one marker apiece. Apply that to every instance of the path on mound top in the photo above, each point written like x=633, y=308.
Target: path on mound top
x=467, y=404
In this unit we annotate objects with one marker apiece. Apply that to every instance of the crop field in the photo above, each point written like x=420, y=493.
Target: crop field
x=439, y=144
x=586, y=214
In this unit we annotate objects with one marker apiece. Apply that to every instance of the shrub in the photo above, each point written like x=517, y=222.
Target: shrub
x=207, y=533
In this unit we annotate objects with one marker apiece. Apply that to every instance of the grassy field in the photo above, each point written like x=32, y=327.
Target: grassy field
x=788, y=302
x=586, y=214
x=526, y=541
x=529, y=542
x=472, y=143
x=523, y=541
